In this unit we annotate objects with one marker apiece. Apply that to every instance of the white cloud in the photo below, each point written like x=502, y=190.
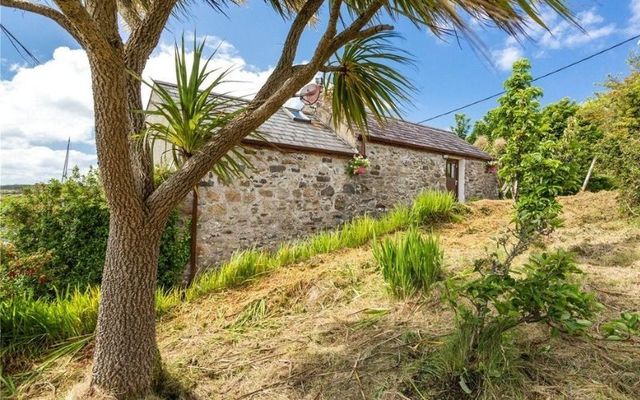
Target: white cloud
x=30, y=164
x=505, y=58
x=49, y=102
x=633, y=27
x=561, y=34
x=565, y=35
x=41, y=107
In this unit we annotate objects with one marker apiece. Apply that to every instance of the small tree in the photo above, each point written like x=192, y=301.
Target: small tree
x=461, y=126
x=189, y=121
x=500, y=298
x=519, y=122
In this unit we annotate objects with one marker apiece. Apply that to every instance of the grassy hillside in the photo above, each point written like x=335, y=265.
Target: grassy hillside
x=328, y=329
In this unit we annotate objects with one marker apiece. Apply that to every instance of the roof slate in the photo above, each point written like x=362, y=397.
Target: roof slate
x=399, y=132
x=282, y=131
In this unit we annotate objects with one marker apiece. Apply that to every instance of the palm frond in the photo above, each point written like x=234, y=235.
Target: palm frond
x=364, y=81
x=444, y=17
x=191, y=115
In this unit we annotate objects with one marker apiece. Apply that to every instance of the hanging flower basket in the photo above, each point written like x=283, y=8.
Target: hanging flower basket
x=358, y=165
x=491, y=167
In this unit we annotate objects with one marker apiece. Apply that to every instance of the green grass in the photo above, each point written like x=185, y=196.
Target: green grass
x=26, y=321
x=32, y=327
x=433, y=206
x=410, y=264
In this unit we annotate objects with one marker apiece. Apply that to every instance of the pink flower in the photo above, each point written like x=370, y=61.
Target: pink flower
x=360, y=170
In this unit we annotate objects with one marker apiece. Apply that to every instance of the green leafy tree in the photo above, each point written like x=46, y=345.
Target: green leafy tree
x=519, y=122
x=461, y=126
x=616, y=114
x=486, y=127
x=126, y=355
x=556, y=117
x=501, y=298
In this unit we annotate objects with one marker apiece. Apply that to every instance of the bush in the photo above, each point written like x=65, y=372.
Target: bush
x=432, y=206
x=57, y=234
x=478, y=355
x=409, y=264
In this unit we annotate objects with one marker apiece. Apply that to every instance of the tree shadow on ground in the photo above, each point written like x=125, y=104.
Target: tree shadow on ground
x=620, y=253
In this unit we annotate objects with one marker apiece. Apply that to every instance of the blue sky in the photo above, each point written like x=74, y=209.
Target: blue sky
x=43, y=105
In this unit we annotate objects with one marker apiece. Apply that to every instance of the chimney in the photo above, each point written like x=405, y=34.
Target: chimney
x=323, y=113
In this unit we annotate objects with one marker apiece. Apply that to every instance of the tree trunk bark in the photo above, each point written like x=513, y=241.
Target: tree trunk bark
x=193, y=260
x=126, y=357
x=586, y=179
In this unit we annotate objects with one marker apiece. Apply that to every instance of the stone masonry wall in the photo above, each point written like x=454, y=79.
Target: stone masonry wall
x=293, y=194
x=478, y=182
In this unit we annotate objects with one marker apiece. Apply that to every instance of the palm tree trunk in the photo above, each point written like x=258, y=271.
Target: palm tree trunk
x=193, y=260
x=126, y=357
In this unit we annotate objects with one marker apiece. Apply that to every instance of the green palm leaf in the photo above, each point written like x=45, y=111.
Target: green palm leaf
x=193, y=115
x=363, y=81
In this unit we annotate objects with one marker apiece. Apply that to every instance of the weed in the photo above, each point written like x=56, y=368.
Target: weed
x=371, y=316
x=250, y=316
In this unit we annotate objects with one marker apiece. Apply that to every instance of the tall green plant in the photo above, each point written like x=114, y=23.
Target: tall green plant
x=433, y=206
x=462, y=125
x=190, y=119
x=519, y=122
x=410, y=264
x=499, y=297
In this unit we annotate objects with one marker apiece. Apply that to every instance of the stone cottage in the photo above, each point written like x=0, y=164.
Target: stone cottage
x=300, y=184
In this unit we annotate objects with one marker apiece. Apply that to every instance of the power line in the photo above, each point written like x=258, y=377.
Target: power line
x=19, y=47
x=555, y=71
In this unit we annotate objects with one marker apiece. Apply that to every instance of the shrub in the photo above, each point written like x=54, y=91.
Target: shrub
x=478, y=354
x=433, y=206
x=58, y=238
x=409, y=264
x=615, y=112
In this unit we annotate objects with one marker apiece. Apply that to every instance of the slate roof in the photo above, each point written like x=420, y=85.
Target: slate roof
x=403, y=133
x=282, y=131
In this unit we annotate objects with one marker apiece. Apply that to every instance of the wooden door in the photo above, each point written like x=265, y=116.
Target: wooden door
x=451, y=173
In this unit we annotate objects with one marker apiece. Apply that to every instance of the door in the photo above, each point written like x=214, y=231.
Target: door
x=451, y=173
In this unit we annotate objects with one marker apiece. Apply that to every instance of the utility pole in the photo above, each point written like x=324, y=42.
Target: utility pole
x=66, y=161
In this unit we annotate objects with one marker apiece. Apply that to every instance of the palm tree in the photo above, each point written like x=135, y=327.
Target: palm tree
x=189, y=120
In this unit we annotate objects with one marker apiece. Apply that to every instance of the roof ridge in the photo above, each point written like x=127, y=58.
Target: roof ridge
x=417, y=124
x=165, y=83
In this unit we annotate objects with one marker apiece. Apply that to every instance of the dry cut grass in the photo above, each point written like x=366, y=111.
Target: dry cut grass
x=328, y=328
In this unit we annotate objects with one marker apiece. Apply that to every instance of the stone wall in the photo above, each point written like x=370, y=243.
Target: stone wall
x=478, y=182
x=293, y=194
